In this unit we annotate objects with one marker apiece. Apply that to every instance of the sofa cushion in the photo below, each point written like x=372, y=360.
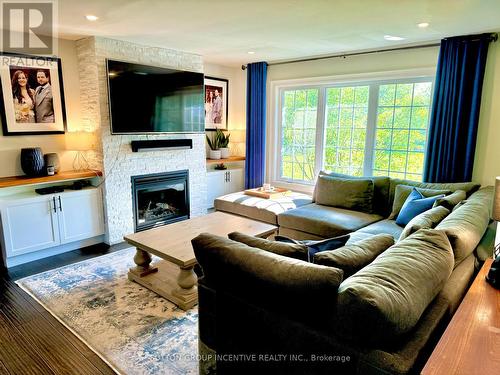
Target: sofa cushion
x=353, y=194
x=293, y=250
x=381, y=186
x=466, y=225
x=403, y=191
x=259, y=208
x=386, y=299
x=468, y=187
x=382, y=226
x=315, y=246
x=414, y=205
x=426, y=220
x=450, y=201
x=325, y=221
x=352, y=258
x=259, y=275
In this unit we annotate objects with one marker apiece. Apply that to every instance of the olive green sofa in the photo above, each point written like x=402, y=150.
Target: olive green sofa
x=266, y=313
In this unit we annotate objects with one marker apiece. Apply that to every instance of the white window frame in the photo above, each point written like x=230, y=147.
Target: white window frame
x=373, y=80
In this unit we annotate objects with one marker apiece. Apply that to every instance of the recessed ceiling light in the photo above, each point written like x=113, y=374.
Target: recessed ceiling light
x=251, y=52
x=423, y=25
x=393, y=37
x=91, y=17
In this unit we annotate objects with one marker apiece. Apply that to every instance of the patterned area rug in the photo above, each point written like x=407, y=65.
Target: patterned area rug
x=133, y=329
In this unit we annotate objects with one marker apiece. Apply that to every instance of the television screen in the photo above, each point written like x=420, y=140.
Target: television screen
x=147, y=99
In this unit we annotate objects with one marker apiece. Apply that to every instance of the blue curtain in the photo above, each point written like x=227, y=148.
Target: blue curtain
x=455, y=108
x=256, y=125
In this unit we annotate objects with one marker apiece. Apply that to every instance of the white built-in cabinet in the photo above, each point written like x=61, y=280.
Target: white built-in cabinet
x=223, y=182
x=31, y=222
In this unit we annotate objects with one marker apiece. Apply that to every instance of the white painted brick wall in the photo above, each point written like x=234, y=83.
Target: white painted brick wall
x=114, y=155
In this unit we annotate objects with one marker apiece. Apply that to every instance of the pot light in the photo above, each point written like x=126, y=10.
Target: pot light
x=423, y=25
x=251, y=52
x=393, y=37
x=91, y=17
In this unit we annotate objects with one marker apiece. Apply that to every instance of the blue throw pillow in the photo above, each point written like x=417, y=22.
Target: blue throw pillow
x=314, y=247
x=414, y=205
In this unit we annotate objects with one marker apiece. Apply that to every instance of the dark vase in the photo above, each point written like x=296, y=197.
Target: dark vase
x=32, y=161
x=52, y=160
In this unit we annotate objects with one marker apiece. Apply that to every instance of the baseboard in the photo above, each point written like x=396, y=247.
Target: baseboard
x=40, y=254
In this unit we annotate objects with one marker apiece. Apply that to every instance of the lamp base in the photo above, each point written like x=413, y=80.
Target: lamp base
x=80, y=162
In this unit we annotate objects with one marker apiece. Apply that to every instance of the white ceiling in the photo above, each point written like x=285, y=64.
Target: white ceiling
x=223, y=31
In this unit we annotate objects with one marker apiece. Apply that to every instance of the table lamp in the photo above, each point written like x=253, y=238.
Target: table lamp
x=80, y=142
x=237, y=141
x=496, y=216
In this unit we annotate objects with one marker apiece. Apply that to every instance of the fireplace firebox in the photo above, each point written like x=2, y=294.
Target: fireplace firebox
x=160, y=199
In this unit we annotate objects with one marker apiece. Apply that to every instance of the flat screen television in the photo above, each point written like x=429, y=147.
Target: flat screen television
x=148, y=99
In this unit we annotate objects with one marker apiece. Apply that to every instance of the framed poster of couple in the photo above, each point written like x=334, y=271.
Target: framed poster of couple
x=216, y=103
x=31, y=95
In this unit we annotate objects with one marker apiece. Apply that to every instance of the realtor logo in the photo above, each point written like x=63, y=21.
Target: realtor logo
x=28, y=27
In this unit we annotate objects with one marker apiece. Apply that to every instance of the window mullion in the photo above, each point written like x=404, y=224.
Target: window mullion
x=371, y=125
x=320, y=131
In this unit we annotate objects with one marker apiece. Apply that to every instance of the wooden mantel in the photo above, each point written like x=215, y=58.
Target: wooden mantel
x=61, y=176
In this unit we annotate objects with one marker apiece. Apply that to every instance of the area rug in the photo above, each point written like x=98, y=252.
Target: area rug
x=131, y=328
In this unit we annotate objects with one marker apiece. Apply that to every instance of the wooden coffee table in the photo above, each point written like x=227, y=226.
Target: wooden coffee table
x=173, y=277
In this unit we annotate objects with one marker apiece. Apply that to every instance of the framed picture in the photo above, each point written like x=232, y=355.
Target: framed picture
x=216, y=103
x=31, y=95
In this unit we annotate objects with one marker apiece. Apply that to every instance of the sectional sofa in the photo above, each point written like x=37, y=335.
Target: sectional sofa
x=262, y=304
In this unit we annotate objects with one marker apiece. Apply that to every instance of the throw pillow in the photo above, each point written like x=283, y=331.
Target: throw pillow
x=292, y=250
x=426, y=220
x=352, y=258
x=451, y=200
x=414, y=205
x=386, y=299
x=314, y=247
x=403, y=191
x=345, y=193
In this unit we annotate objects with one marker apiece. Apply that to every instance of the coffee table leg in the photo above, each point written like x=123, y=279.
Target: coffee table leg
x=186, y=280
x=143, y=260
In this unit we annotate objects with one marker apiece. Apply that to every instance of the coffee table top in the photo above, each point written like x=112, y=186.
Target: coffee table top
x=172, y=242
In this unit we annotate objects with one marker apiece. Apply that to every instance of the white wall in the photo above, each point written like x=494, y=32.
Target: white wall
x=487, y=158
x=10, y=147
x=237, y=99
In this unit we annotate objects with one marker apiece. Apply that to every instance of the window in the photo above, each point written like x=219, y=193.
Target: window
x=402, y=118
x=298, y=136
x=346, y=120
x=362, y=128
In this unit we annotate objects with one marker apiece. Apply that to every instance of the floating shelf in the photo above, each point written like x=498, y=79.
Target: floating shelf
x=228, y=160
x=61, y=176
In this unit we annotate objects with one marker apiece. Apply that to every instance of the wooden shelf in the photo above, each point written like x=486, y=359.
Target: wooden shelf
x=61, y=176
x=228, y=160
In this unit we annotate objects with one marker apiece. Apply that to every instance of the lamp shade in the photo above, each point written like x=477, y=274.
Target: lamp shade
x=79, y=141
x=237, y=136
x=496, y=201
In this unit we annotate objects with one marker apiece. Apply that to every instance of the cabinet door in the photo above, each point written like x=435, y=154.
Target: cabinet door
x=80, y=215
x=29, y=225
x=236, y=181
x=216, y=186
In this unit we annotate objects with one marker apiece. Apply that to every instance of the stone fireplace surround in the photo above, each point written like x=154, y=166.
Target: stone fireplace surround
x=113, y=154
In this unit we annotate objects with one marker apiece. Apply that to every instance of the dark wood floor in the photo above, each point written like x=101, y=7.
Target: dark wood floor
x=32, y=341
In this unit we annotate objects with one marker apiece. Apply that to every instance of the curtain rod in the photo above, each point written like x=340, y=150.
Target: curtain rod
x=494, y=38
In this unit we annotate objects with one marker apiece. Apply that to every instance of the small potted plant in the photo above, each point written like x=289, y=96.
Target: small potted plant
x=214, y=152
x=223, y=143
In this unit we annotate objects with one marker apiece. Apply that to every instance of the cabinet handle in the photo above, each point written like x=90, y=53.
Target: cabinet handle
x=229, y=176
x=55, y=206
x=60, y=203
x=225, y=176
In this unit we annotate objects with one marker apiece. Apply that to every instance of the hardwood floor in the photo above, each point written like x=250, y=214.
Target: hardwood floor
x=32, y=341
